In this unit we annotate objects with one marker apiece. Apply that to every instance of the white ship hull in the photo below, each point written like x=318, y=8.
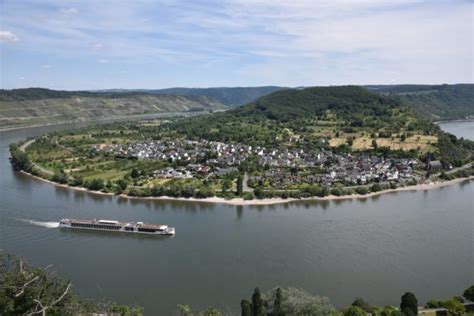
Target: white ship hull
x=115, y=226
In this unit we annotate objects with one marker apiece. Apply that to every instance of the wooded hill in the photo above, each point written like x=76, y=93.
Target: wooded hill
x=344, y=118
x=24, y=107
x=437, y=102
x=344, y=107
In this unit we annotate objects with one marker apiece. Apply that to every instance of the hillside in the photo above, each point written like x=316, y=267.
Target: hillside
x=25, y=107
x=347, y=118
x=234, y=96
x=437, y=102
x=315, y=112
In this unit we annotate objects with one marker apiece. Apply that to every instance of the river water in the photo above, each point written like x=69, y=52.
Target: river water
x=376, y=248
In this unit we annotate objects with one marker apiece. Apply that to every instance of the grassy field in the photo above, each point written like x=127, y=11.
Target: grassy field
x=363, y=141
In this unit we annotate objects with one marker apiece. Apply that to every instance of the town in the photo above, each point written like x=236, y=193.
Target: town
x=281, y=168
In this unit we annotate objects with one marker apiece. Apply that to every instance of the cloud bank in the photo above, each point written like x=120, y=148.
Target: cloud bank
x=238, y=42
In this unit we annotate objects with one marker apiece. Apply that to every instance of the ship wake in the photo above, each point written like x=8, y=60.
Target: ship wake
x=41, y=223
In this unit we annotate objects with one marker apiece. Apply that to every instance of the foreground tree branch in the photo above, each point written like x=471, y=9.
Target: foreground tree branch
x=45, y=308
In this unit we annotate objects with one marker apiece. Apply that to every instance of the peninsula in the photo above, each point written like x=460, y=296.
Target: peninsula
x=291, y=144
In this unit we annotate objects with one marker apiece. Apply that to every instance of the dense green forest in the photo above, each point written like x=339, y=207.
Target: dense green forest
x=437, y=102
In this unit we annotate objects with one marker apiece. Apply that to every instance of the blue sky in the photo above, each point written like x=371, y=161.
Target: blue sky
x=164, y=43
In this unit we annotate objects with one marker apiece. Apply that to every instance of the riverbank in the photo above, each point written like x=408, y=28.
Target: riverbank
x=454, y=121
x=256, y=202
x=133, y=117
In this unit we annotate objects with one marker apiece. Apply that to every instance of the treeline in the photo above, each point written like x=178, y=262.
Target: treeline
x=291, y=301
x=27, y=290
x=453, y=151
x=19, y=159
x=27, y=94
x=437, y=102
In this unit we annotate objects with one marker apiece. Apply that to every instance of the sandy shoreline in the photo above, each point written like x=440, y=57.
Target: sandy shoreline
x=272, y=201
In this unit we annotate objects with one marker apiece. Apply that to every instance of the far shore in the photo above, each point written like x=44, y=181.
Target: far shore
x=271, y=201
x=132, y=117
x=454, y=121
x=144, y=116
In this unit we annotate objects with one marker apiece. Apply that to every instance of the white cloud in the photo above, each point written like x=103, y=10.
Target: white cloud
x=283, y=42
x=7, y=36
x=69, y=11
x=46, y=67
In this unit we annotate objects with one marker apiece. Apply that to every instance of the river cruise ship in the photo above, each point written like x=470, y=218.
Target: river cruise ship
x=110, y=225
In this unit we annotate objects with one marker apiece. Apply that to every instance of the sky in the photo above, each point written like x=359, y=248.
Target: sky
x=78, y=45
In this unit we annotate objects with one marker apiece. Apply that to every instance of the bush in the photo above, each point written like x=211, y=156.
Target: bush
x=337, y=191
x=298, y=302
x=361, y=190
x=247, y=196
x=469, y=293
x=354, y=311
x=94, y=184
x=376, y=187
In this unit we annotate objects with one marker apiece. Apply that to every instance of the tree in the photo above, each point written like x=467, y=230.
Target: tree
x=184, y=310
x=240, y=184
x=122, y=184
x=454, y=307
x=226, y=185
x=469, y=293
x=390, y=311
x=354, y=311
x=211, y=311
x=277, y=310
x=246, y=307
x=27, y=290
x=95, y=184
x=259, y=194
x=360, y=302
x=299, y=302
x=135, y=173
x=374, y=144
x=257, y=303
x=409, y=304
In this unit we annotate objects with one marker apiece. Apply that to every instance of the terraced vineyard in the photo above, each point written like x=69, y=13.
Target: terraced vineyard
x=20, y=110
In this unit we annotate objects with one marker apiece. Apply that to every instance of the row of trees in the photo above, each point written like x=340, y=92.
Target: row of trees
x=281, y=302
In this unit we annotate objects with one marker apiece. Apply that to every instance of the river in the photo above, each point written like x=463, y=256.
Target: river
x=376, y=248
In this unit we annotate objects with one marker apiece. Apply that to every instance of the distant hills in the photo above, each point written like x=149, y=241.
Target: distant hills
x=24, y=107
x=438, y=102
x=36, y=106
x=230, y=96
